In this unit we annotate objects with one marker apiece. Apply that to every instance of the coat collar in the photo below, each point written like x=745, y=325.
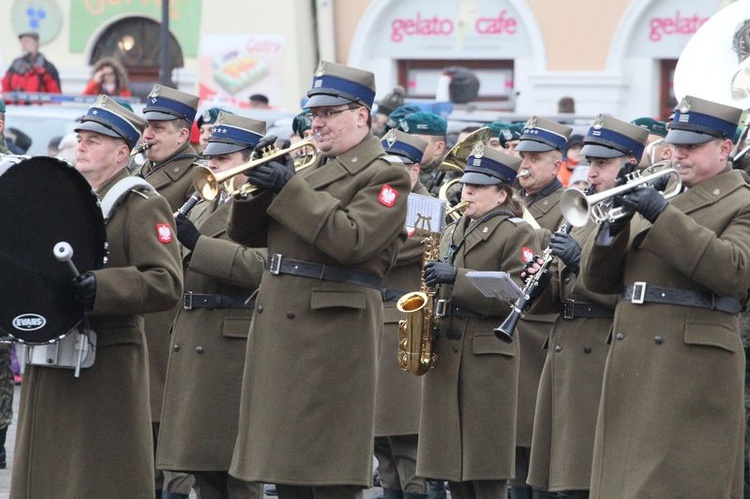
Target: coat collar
x=709, y=191
x=349, y=163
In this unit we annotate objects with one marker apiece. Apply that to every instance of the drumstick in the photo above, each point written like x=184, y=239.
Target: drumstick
x=64, y=253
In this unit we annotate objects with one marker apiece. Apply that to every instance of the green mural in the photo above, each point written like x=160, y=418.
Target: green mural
x=87, y=17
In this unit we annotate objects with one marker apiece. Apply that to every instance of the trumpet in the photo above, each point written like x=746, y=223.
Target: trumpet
x=577, y=207
x=141, y=148
x=208, y=184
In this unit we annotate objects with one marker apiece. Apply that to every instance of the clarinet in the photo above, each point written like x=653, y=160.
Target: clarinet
x=505, y=331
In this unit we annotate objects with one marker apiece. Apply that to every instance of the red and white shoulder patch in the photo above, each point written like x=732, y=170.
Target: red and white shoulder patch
x=527, y=254
x=164, y=233
x=388, y=196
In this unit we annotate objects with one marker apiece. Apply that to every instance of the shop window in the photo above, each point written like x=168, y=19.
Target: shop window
x=667, y=99
x=496, y=88
x=134, y=41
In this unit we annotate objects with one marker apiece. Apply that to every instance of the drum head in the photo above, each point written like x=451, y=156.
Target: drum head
x=44, y=201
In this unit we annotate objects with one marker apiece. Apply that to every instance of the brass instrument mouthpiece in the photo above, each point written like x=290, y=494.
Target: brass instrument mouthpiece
x=523, y=173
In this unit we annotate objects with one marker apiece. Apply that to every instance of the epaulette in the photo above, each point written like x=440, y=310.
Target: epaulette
x=118, y=192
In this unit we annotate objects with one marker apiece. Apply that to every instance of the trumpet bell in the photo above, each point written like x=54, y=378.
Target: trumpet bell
x=575, y=207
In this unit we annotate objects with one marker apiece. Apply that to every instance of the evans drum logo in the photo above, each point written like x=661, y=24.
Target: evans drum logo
x=29, y=322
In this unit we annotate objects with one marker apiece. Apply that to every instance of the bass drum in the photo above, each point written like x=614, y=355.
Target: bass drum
x=44, y=201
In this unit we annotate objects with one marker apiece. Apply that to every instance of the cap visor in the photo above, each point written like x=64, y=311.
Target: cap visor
x=597, y=151
x=219, y=148
x=687, y=137
x=93, y=126
x=533, y=146
x=475, y=178
x=324, y=100
x=157, y=116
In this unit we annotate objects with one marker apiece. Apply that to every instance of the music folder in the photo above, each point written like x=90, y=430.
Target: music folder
x=495, y=284
x=425, y=213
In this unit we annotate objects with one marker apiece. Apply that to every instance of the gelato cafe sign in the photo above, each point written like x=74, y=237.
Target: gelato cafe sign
x=427, y=25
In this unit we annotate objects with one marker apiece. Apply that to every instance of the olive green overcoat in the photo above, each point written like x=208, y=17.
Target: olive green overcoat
x=91, y=436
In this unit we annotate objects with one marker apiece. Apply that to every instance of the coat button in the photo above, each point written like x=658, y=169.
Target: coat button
x=290, y=315
x=586, y=349
x=558, y=348
x=658, y=339
x=619, y=336
x=199, y=349
x=567, y=280
x=454, y=334
x=259, y=308
x=455, y=348
x=176, y=348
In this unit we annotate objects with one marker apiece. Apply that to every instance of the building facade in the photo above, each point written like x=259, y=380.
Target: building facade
x=616, y=56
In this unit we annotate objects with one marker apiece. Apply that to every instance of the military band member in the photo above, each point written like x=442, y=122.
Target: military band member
x=171, y=158
x=468, y=418
x=399, y=394
x=671, y=419
x=91, y=436
x=205, y=123
x=431, y=128
x=540, y=147
x=333, y=230
x=204, y=376
x=657, y=150
x=505, y=137
x=570, y=385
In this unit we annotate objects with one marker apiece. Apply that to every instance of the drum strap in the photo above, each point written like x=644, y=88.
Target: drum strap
x=119, y=190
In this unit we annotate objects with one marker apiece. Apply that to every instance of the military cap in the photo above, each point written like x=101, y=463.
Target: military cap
x=540, y=135
x=487, y=166
x=30, y=34
x=232, y=133
x=409, y=147
x=400, y=113
x=511, y=131
x=335, y=85
x=698, y=120
x=611, y=138
x=166, y=103
x=209, y=116
x=423, y=123
x=575, y=140
x=107, y=117
x=497, y=127
x=300, y=123
x=653, y=126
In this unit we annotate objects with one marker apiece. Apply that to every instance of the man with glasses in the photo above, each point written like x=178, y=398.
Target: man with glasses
x=332, y=231
x=671, y=416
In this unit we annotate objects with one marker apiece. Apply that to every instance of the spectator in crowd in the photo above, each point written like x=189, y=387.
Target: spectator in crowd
x=259, y=101
x=572, y=158
x=31, y=72
x=53, y=145
x=109, y=78
x=579, y=178
x=386, y=106
x=67, y=148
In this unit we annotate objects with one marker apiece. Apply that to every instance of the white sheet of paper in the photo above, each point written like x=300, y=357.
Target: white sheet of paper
x=495, y=284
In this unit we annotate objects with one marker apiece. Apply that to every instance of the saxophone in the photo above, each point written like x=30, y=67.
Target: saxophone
x=417, y=331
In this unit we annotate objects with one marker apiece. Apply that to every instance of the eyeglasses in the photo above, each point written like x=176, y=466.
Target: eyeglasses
x=328, y=114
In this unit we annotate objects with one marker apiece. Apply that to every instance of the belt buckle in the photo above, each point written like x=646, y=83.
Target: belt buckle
x=441, y=307
x=275, y=265
x=639, y=293
x=187, y=300
x=569, y=309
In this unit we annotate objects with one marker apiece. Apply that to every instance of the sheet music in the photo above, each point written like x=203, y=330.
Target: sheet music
x=425, y=213
x=495, y=285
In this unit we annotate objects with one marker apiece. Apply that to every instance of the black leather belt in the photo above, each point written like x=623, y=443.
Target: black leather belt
x=390, y=294
x=192, y=300
x=572, y=309
x=640, y=293
x=279, y=264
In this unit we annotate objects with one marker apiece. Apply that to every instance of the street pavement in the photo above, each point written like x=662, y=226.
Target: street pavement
x=10, y=444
